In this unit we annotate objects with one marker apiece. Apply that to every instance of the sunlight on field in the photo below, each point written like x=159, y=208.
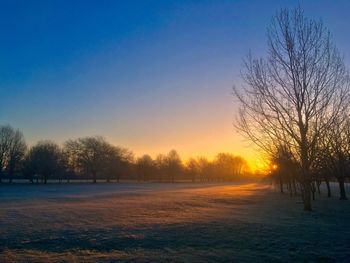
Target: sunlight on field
x=89, y=215
x=163, y=222
x=161, y=206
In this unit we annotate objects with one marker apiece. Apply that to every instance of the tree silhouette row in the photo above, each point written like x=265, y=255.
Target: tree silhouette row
x=94, y=159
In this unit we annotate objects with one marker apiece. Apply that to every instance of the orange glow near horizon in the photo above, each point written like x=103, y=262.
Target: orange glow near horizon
x=207, y=146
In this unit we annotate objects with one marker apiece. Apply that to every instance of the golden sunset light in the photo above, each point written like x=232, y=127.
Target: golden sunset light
x=174, y=131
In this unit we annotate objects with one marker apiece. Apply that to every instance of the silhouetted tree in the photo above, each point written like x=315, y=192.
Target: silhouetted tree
x=17, y=151
x=5, y=139
x=192, y=169
x=229, y=167
x=335, y=150
x=88, y=155
x=68, y=168
x=173, y=165
x=12, y=150
x=117, y=162
x=294, y=94
x=145, y=167
x=161, y=167
x=95, y=157
x=43, y=160
x=322, y=169
x=285, y=169
x=206, y=169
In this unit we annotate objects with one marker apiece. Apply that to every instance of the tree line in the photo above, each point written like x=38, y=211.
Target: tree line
x=294, y=105
x=93, y=158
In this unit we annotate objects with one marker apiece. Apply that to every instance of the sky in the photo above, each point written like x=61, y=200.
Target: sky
x=147, y=75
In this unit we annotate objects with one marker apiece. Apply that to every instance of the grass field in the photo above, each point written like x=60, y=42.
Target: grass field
x=168, y=223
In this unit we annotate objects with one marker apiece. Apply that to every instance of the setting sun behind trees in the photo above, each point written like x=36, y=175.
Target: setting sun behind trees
x=148, y=131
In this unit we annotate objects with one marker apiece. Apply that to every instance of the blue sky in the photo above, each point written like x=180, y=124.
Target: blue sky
x=148, y=75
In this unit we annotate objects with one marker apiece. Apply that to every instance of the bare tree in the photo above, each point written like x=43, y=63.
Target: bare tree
x=117, y=162
x=192, y=169
x=229, y=167
x=294, y=95
x=335, y=152
x=43, y=160
x=17, y=150
x=161, y=166
x=322, y=167
x=284, y=169
x=145, y=168
x=95, y=157
x=173, y=165
x=12, y=150
x=88, y=155
x=5, y=140
x=206, y=169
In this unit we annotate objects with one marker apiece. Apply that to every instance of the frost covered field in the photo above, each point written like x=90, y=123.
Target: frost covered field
x=168, y=222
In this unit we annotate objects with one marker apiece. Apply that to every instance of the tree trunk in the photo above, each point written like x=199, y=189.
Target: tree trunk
x=342, y=188
x=318, y=183
x=306, y=195
x=313, y=190
x=281, y=183
x=305, y=166
x=94, y=178
x=328, y=188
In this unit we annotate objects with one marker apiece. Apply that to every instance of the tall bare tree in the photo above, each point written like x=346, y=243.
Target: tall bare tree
x=294, y=95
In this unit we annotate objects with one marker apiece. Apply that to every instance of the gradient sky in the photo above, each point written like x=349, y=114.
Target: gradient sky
x=147, y=75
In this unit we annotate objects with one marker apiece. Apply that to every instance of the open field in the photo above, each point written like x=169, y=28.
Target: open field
x=168, y=222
